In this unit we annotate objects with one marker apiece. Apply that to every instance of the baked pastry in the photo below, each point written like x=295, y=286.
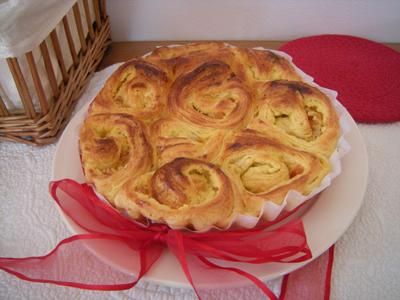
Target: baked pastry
x=211, y=95
x=172, y=138
x=194, y=135
x=296, y=114
x=250, y=65
x=112, y=148
x=260, y=66
x=138, y=88
x=262, y=169
x=181, y=60
x=183, y=193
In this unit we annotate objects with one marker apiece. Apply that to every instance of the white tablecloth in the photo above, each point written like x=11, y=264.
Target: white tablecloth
x=367, y=260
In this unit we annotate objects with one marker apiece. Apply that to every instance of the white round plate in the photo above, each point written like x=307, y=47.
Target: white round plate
x=324, y=222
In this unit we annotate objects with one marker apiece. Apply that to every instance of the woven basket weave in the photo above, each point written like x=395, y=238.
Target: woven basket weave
x=40, y=124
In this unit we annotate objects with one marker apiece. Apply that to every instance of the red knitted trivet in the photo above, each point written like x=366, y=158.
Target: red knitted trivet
x=365, y=74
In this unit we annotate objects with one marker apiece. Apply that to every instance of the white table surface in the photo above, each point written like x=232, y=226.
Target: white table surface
x=367, y=257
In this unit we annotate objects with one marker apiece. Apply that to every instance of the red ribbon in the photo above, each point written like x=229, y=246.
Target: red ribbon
x=205, y=258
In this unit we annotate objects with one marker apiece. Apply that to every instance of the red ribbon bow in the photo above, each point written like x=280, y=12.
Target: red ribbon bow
x=204, y=257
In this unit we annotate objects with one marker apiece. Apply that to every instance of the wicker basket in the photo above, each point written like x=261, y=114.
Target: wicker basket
x=39, y=123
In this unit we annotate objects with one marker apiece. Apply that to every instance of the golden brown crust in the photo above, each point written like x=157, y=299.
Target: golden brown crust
x=173, y=138
x=258, y=66
x=168, y=52
x=137, y=88
x=211, y=95
x=297, y=115
x=263, y=169
x=183, y=193
x=178, y=60
x=193, y=135
x=113, y=147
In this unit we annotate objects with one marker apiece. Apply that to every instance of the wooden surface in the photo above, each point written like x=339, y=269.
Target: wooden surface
x=122, y=51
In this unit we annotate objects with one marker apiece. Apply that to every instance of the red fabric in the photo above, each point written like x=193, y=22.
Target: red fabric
x=312, y=282
x=365, y=74
x=196, y=252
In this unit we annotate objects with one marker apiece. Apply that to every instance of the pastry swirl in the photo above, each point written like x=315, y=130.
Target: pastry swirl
x=174, y=138
x=211, y=95
x=298, y=115
x=137, y=88
x=167, y=52
x=263, y=169
x=112, y=147
x=259, y=66
x=179, y=60
x=183, y=193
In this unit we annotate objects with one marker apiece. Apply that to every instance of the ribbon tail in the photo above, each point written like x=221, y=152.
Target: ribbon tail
x=74, y=263
x=261, y=285
x=313, y=281
x=178, y=248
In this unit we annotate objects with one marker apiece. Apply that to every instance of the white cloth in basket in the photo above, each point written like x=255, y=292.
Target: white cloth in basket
x=24, y=24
